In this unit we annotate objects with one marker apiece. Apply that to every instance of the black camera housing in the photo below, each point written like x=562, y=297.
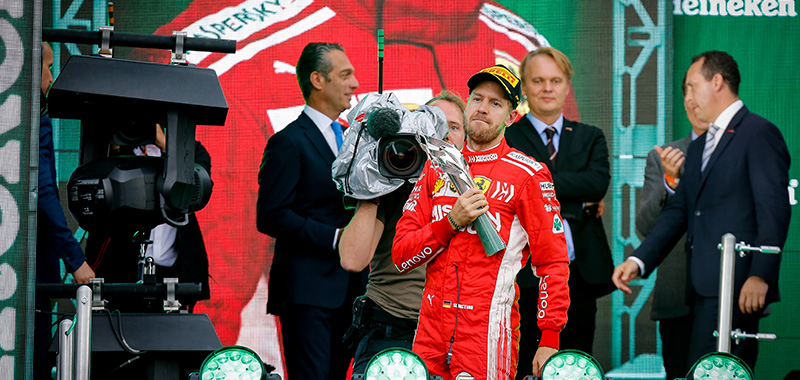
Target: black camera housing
x=121, y=101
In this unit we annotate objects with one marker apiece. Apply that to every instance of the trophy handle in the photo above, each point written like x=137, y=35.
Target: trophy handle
x=490, y=239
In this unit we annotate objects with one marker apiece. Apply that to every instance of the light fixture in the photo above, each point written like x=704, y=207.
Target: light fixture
x=571, y=364
x=233, y=363
x=396, y=364
x=719, y=366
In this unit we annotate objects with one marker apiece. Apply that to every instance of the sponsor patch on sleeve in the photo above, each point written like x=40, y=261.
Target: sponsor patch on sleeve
x=558, y=225
x=536, y=166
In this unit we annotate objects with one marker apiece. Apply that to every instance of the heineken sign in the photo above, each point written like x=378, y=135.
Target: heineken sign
x=735, y=8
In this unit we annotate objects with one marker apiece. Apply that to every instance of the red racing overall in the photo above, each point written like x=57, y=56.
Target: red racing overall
x=468, y=304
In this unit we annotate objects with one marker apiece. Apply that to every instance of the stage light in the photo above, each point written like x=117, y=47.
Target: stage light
x=720, y=366
x=233, y=363
x=571, y=364
x=396, y=364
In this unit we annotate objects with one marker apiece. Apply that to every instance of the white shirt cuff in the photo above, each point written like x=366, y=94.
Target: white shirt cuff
x=336, y=238
x=638, y=262
x=669, y=189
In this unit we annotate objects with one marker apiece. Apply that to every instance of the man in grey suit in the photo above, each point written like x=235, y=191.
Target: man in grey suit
x=669, y=307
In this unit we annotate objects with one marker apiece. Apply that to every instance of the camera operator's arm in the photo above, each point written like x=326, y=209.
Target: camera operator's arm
x=201, y=156
x=360, y=238
x=161, y=138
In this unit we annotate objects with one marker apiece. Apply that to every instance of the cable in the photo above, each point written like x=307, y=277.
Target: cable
x=102, y=253
x=455, y=325
x=352, y=160
x=120, y=335
x=127, y=362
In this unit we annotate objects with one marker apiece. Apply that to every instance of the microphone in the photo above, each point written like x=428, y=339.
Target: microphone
x=383, y=122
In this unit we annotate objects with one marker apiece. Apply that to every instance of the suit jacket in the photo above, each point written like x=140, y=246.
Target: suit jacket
x=54, y=239
x=669, y=294
x=742, y=191
x=581, y=174
x=299, y=206
x=118, y=255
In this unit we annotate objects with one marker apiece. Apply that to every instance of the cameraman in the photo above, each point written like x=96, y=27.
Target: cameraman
x=177, y=252
x=386, y=317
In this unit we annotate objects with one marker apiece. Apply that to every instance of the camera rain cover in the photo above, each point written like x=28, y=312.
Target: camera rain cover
x=356, y=171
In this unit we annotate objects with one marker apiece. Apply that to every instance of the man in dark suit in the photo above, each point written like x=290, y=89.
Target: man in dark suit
x=577, y=155
x=54, y=240
x=735, y=181
x=670, y=307
x=299, y=206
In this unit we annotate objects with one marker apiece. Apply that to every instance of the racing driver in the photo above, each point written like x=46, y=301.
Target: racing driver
x=468, y=318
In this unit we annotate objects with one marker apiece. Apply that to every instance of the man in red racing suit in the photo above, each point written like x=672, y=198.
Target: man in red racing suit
x=430, y=46
x=468, y=318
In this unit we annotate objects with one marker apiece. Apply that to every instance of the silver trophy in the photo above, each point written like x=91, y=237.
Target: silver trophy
x=447, y=159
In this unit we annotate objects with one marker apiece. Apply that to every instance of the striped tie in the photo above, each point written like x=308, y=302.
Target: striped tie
x=710, y=144
x=551, y=149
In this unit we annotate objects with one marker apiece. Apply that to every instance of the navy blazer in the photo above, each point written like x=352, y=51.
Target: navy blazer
x=581, y=174
x=742, y=191
x=54, y=239
x=299, y=205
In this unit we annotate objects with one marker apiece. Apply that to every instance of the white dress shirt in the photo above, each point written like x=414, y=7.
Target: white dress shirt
x=323, y=122
x=163, y=236
x=540, y=127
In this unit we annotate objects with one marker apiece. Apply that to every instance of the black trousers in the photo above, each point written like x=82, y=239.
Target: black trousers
x=43, y=360
x=704, y=322
x=312, y=342
x=312, y=338
x=675, y=337
x=382, y=330
x=577, y=334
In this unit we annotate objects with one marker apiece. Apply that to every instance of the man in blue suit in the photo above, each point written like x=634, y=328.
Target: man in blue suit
x=299, y=206
x=735, y=180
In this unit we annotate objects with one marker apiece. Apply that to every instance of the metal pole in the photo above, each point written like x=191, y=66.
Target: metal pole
x=726, y=269
x=65, y=350
x=83, y=333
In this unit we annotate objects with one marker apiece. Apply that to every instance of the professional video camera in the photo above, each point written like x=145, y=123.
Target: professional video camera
x=380, y=151
x=119, y=103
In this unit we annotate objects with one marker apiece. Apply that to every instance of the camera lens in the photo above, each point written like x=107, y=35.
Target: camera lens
x=401, y=157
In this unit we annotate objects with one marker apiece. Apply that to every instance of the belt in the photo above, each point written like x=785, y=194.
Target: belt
x=380, y=316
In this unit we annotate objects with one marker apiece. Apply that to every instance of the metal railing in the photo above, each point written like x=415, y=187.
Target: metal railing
x=75, y=340
x=727, y=268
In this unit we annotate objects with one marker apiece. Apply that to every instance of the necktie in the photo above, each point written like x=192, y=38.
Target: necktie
x=337, y=131
x=709, y=148
x=551, y=149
